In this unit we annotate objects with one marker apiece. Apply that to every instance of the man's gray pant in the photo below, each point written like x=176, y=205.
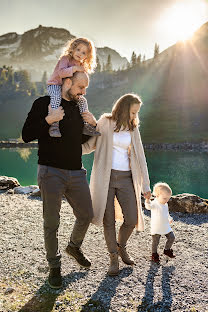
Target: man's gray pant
x=156, y=239
x=121, y=186
x=54, y=183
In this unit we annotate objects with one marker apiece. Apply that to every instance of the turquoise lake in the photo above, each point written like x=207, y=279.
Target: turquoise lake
x=185, y=172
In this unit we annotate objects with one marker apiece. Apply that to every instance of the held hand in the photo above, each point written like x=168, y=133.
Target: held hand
x=88, y=117
x=147, y=195
x=79, y=68
x=54, y=115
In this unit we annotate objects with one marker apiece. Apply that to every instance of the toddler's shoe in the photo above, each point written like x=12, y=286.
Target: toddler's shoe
x=90, y=130
x=169, y=253
x=155, y=257
x=54, y=130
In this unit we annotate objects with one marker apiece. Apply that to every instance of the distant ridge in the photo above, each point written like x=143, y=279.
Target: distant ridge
x=38, y=50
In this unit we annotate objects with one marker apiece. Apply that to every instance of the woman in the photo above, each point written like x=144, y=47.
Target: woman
x=119, y=171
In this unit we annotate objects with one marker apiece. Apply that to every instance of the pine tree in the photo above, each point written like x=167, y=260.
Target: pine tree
x=133, y=59
x=43, y=81
x=24, y=80
x=98, y=68
x=44, y=77
x=3, y=77
x=108, y=66
x=139, y=58
x=156, y=50
x=144, y=58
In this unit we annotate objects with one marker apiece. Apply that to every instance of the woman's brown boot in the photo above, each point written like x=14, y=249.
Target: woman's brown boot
x=124, y=255
x=114, y=265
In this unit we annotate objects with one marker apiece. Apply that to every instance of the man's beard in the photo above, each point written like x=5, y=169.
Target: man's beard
x=72, y=97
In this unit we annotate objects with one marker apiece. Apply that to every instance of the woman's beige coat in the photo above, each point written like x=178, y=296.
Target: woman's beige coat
x=101, y=170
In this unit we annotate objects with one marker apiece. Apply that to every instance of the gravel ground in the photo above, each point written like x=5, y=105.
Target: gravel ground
x=179, y=285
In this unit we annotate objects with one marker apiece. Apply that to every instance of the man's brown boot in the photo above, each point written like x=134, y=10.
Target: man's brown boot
x=124, y=255
x=114, y=265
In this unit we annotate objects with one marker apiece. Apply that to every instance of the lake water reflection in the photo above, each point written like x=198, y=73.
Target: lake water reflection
x=183, y=171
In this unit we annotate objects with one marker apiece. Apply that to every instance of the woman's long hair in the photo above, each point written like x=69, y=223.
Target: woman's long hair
x=121, y=112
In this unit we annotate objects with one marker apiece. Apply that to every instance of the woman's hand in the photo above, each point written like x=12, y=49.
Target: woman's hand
x=147, y=195
x=88, y=117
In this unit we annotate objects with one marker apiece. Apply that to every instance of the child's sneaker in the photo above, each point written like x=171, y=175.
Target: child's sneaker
x=54, y=130
x=169, y=253
x=155, y=257
x=90, y=130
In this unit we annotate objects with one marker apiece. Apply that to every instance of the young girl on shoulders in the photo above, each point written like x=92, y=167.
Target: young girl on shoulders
x=79, y=55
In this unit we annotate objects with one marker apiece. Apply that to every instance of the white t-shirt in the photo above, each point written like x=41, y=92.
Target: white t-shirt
x=159, y=217
x=121, y=143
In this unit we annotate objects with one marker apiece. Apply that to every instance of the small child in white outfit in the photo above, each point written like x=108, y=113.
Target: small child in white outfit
x=161, y=220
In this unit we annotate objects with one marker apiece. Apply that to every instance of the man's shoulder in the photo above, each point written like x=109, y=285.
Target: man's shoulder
x=43, y=100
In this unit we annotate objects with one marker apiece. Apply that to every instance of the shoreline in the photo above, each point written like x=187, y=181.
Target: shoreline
x=177, y=285
x=186, y=146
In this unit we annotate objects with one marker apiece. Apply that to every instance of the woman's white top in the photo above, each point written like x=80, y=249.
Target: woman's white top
x=159, y=217
x=121, y=143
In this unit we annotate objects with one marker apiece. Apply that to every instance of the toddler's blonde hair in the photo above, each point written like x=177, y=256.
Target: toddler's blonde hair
x=90, y=62
x=161, y=186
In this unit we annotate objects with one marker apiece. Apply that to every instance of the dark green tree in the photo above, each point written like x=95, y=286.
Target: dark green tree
x=24, y=82
x=3, y=77
x=98, y=68
x=139, y=58
x=133, y=59
x=156, y=50
x=108, y=66
x=43, y=81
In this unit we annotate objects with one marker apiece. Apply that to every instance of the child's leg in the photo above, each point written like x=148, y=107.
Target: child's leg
x=155, y=242
x=170, y=240
x=87, y=129
x=54, y=91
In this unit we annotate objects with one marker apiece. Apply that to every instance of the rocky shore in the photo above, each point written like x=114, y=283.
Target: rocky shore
x=185, y=202
x=178, y=285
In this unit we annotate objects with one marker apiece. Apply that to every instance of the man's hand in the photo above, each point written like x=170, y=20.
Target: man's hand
x=54, y=115
x=147, y=195
x=88, y=117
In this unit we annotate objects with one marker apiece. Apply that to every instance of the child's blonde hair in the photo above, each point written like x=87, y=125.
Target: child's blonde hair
x=90, y=62
x=161, y=186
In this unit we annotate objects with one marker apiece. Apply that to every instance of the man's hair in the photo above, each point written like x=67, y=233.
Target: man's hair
x=161, y=186
x=74, y=77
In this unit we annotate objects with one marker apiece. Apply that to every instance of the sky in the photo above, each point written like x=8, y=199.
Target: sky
x=126, y=26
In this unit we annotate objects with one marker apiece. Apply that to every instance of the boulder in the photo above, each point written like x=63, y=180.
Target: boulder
x=25, y=189
x=36, y=193
x=188, y=203
x=8, y=183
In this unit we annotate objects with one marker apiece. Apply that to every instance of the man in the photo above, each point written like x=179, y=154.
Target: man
x=60, y=170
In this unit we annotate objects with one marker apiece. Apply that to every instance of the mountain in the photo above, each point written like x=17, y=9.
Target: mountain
x=38, y=50
x=173, y=88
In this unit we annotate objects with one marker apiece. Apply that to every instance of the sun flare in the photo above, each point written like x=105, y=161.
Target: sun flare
x=182, y=19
